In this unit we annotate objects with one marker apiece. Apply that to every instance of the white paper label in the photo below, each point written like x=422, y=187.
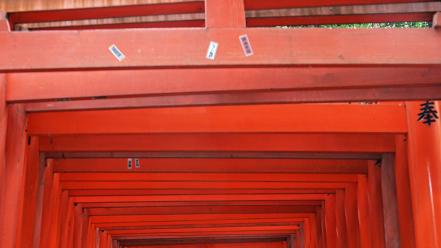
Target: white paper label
x=246, y=45
x=212, y=50
x=117, y=53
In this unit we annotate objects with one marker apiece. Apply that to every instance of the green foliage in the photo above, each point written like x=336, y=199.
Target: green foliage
x=381, y=25
x=370, y=25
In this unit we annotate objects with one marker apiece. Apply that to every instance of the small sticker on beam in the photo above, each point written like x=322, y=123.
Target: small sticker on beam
x=212, y=50
x=117, y=53
x=246, y=45
x=129, y=163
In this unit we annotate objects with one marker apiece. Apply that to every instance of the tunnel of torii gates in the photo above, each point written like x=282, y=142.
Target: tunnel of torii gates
x=218, y=129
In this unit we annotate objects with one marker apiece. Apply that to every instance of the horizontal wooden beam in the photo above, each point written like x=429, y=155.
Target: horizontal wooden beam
x=325, y=188
x=264, y=240
x=204, y=177
x=87, y=18
x=198, y=209
x=183, y=233
x=122, y=83
x=339, y=118
x=177, y=23
x=233, y=242
x=199, y=188
x=182, y=217
x=181, y=7
x=220, y=203
x=247, y=98
x=264, y=197
x=213, y=165
x=20, y=5
x=221, y=142
x=156, y=48
x=217, y=155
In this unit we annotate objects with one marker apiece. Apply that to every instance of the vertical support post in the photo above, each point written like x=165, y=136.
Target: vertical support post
x=330, y=221
x=300, y=238
x=352, y=216
x=424, y=146
x=313, y=234
x=342, y=238
x=407, y=226
x=319, y=225
x=3, y=125
x=363, y=213
x=291, y=241
x=43, y=196
x=64, y=220
x=27, y=208
x=375, y=205
x=85, y=229
x=390, y=202
x=79, y=222
x=50, y=219
x=13, y=174
x=115, y=244
x=225, y=14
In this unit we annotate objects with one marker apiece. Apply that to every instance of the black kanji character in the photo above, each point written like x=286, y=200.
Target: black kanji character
x=428, y=113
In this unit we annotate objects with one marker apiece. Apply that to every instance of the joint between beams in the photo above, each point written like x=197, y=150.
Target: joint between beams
x=379, y=162
x=436, y=24
x=4, y=23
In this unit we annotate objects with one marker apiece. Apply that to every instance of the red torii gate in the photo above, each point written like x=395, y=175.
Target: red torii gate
x=169, y=68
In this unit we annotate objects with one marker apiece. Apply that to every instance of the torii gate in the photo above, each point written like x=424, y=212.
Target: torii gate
x=76, y=106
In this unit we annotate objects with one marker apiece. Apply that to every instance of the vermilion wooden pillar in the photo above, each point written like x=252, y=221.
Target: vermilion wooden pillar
x=425, y=177
x=12, y=160
x=390, y=203
x=13, y=174
x=3, y=125
x=377, y=234
x=28, y=221
x=406, y=222
x=225, y=13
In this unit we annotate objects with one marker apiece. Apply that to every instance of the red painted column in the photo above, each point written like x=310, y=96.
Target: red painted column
x=13, y=175
x=52, y=198
x=79, y=217
x=225, y=13
x=32, y=176
x=351, y=211
x=330, y=221
x=390, y=202
x=407, y=226
x=377, y=234
x=342, y=238
x=364, y=222
x=3, y=127
x=424, y=143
